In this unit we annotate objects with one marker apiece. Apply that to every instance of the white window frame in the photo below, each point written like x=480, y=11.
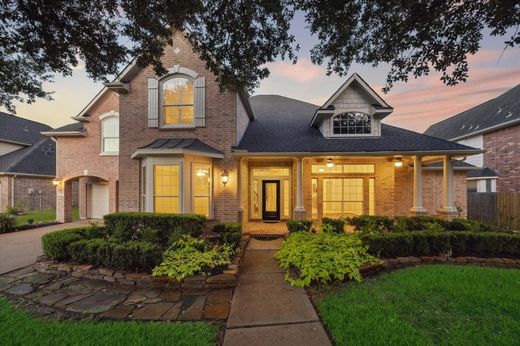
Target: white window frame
x=161, y=106
x=102, y=118
x=192, y=186
x=149, y=164
x=331, y=125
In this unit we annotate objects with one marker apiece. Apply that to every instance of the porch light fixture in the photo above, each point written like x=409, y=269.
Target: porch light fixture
x=56, y=181
x=398, y=162
x=330, y=162
x=225, y=177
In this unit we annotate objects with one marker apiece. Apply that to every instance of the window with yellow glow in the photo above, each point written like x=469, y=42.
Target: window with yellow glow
x=286, y=197
x=143, y=188
x=255, y=198
x=314, y=199
x=347, y=169
x=371, y=196
x=201, y=181
x=342, y=197
x=166, y=188
x=177, y=101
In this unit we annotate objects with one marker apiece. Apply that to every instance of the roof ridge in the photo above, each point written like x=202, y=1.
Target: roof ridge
x=28, y=150
x=286, y=97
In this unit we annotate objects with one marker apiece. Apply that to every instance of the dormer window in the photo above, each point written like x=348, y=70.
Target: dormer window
x=352, y=123
x=178, y=102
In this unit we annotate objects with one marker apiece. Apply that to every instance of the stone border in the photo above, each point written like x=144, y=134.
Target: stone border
x=390, y=264
x=227, y=279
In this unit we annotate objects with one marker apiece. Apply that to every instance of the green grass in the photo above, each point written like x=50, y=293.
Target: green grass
x=18, y=328
x=46, y=215
x=427, y=305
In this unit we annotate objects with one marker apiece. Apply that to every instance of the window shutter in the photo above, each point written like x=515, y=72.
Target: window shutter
x=200, y=101
x=153, y=102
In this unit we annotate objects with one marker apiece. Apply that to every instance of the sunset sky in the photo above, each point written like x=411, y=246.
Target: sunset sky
x=417, y=104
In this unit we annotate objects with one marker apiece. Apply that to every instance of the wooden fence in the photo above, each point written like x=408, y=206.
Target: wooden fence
x=497, y=208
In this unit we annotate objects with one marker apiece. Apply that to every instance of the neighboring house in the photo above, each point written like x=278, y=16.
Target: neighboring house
x=27, y=164
x=183, y=145
x=493, y=126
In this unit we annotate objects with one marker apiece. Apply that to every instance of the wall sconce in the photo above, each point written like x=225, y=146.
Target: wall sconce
x=55, y=181
x=330, y=162
x=398, y=162
x=225, y=177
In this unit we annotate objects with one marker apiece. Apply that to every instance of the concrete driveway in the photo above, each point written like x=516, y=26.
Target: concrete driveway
x=19, y=249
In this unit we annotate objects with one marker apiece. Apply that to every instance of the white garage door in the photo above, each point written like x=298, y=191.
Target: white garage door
x=98, y=201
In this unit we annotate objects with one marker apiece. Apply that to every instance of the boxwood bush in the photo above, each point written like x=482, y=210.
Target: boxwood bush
x=7, y=223
x=337, y=225
x=55, y=244
x=131, y=225
x=435, y=243
x=294, y=226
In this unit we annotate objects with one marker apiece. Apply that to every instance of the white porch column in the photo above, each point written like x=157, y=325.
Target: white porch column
x=299, y=210
x=448, y=208
x=417, y=207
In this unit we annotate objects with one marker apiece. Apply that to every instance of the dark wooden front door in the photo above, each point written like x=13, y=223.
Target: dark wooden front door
x=271, y=199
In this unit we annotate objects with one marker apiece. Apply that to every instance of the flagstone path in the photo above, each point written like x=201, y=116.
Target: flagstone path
x=68, y=297
x=265, y=309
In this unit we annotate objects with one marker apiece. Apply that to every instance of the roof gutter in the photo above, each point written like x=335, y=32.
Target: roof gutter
x=488, y=129
x=139, y=153
x=26, y=175
x=64, y=133
x=358, y=153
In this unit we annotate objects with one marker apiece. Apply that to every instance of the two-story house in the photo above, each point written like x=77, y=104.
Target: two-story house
x=176, y=143
x=494, y=127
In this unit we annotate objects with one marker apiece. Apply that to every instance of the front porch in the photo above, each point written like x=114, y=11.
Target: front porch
x=273, y=190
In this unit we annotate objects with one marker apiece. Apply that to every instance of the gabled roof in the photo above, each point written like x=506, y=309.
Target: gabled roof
x=172, y=146
x=14, y=129
x=282, y=127
x=70, y=130
x=38, y=159
x=378, y=103
x=494, y=114
x=485, y=172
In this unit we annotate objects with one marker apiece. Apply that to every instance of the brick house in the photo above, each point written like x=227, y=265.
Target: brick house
x=494, y=127
x=27, y=164
x=186, y=146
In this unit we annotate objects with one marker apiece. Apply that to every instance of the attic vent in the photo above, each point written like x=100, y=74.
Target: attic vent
x=499, y=110
x=463, y=126
x=509, y=115
x=470, y=127
x=476, y=127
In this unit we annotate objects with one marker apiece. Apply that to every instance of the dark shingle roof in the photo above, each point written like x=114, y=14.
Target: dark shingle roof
x=282, y=126
x=182, y=143
x=38, y=159
x=485, y=172
x=20, y=130
x=502, y=109
x=455, y=164
x=70, y=127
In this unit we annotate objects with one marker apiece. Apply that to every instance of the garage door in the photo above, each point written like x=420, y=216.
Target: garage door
x=98, y=201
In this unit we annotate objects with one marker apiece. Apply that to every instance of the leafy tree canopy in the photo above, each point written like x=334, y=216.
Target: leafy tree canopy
x=39, y=38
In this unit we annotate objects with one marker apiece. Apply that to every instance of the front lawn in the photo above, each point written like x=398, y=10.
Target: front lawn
x=427, y=305
x=18, y=328
x=42, y=216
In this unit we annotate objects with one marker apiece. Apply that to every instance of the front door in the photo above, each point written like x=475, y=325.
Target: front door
x=271, y=199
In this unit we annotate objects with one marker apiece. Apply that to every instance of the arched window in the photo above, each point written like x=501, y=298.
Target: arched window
x=110, y=134
x=352, y=123
x=177, y=101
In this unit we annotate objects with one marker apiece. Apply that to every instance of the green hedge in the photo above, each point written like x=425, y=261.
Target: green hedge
x=131, y=225
x=338, y=225
x=7, y=223
x=429, y=243
x=55, y=244
x=129, y=256
x=294, y=226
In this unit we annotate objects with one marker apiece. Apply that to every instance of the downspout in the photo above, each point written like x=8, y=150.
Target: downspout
x=12, y=191
x=56, y=171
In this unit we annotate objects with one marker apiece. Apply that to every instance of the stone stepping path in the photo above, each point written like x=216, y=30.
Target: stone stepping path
x=266, y=310
x=64, y=296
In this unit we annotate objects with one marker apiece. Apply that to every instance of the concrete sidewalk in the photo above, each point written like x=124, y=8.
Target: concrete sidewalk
x=19, y=249
x=266, y=310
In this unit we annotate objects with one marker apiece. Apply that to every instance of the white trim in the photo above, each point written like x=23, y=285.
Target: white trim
x=495, y=177
x=166, y=78
x=17, y=143
x=350, y=135
x=64, y=133
x=104, y=117
x=355, y=153
x=112, y=113
x=27, y=175
x=150, y=163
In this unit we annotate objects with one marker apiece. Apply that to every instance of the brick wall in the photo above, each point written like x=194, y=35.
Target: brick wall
x=502, y=154
x=220, y=132
x=37, y=201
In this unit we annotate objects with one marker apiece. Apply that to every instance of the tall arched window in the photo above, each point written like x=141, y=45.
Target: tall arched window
x=352, y=123
x=110, y=134
x=177, y=101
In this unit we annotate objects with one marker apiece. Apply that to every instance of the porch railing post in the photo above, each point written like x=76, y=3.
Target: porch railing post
x=299, y=211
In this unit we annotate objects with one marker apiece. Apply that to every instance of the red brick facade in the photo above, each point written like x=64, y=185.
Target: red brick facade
x=502, y=154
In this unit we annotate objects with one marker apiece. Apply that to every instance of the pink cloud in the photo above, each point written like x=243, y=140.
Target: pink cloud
x=302, y=71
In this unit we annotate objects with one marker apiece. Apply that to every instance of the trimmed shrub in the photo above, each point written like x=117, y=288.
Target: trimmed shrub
x=232, y=239
x=7, y=223
x=131, y=225
x=294, y=226
x=55, y=244
x=371, y=223
x=417, y=223
x=338, y=225
x=460, y=243
x=222, y=227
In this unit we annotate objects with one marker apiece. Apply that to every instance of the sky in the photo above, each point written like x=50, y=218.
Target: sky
x=417, y=103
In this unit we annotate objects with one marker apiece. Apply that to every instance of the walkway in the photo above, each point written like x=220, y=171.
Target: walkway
x=19, y=249
x=265, y=309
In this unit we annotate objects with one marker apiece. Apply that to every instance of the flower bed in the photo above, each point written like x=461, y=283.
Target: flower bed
x=133, y=247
